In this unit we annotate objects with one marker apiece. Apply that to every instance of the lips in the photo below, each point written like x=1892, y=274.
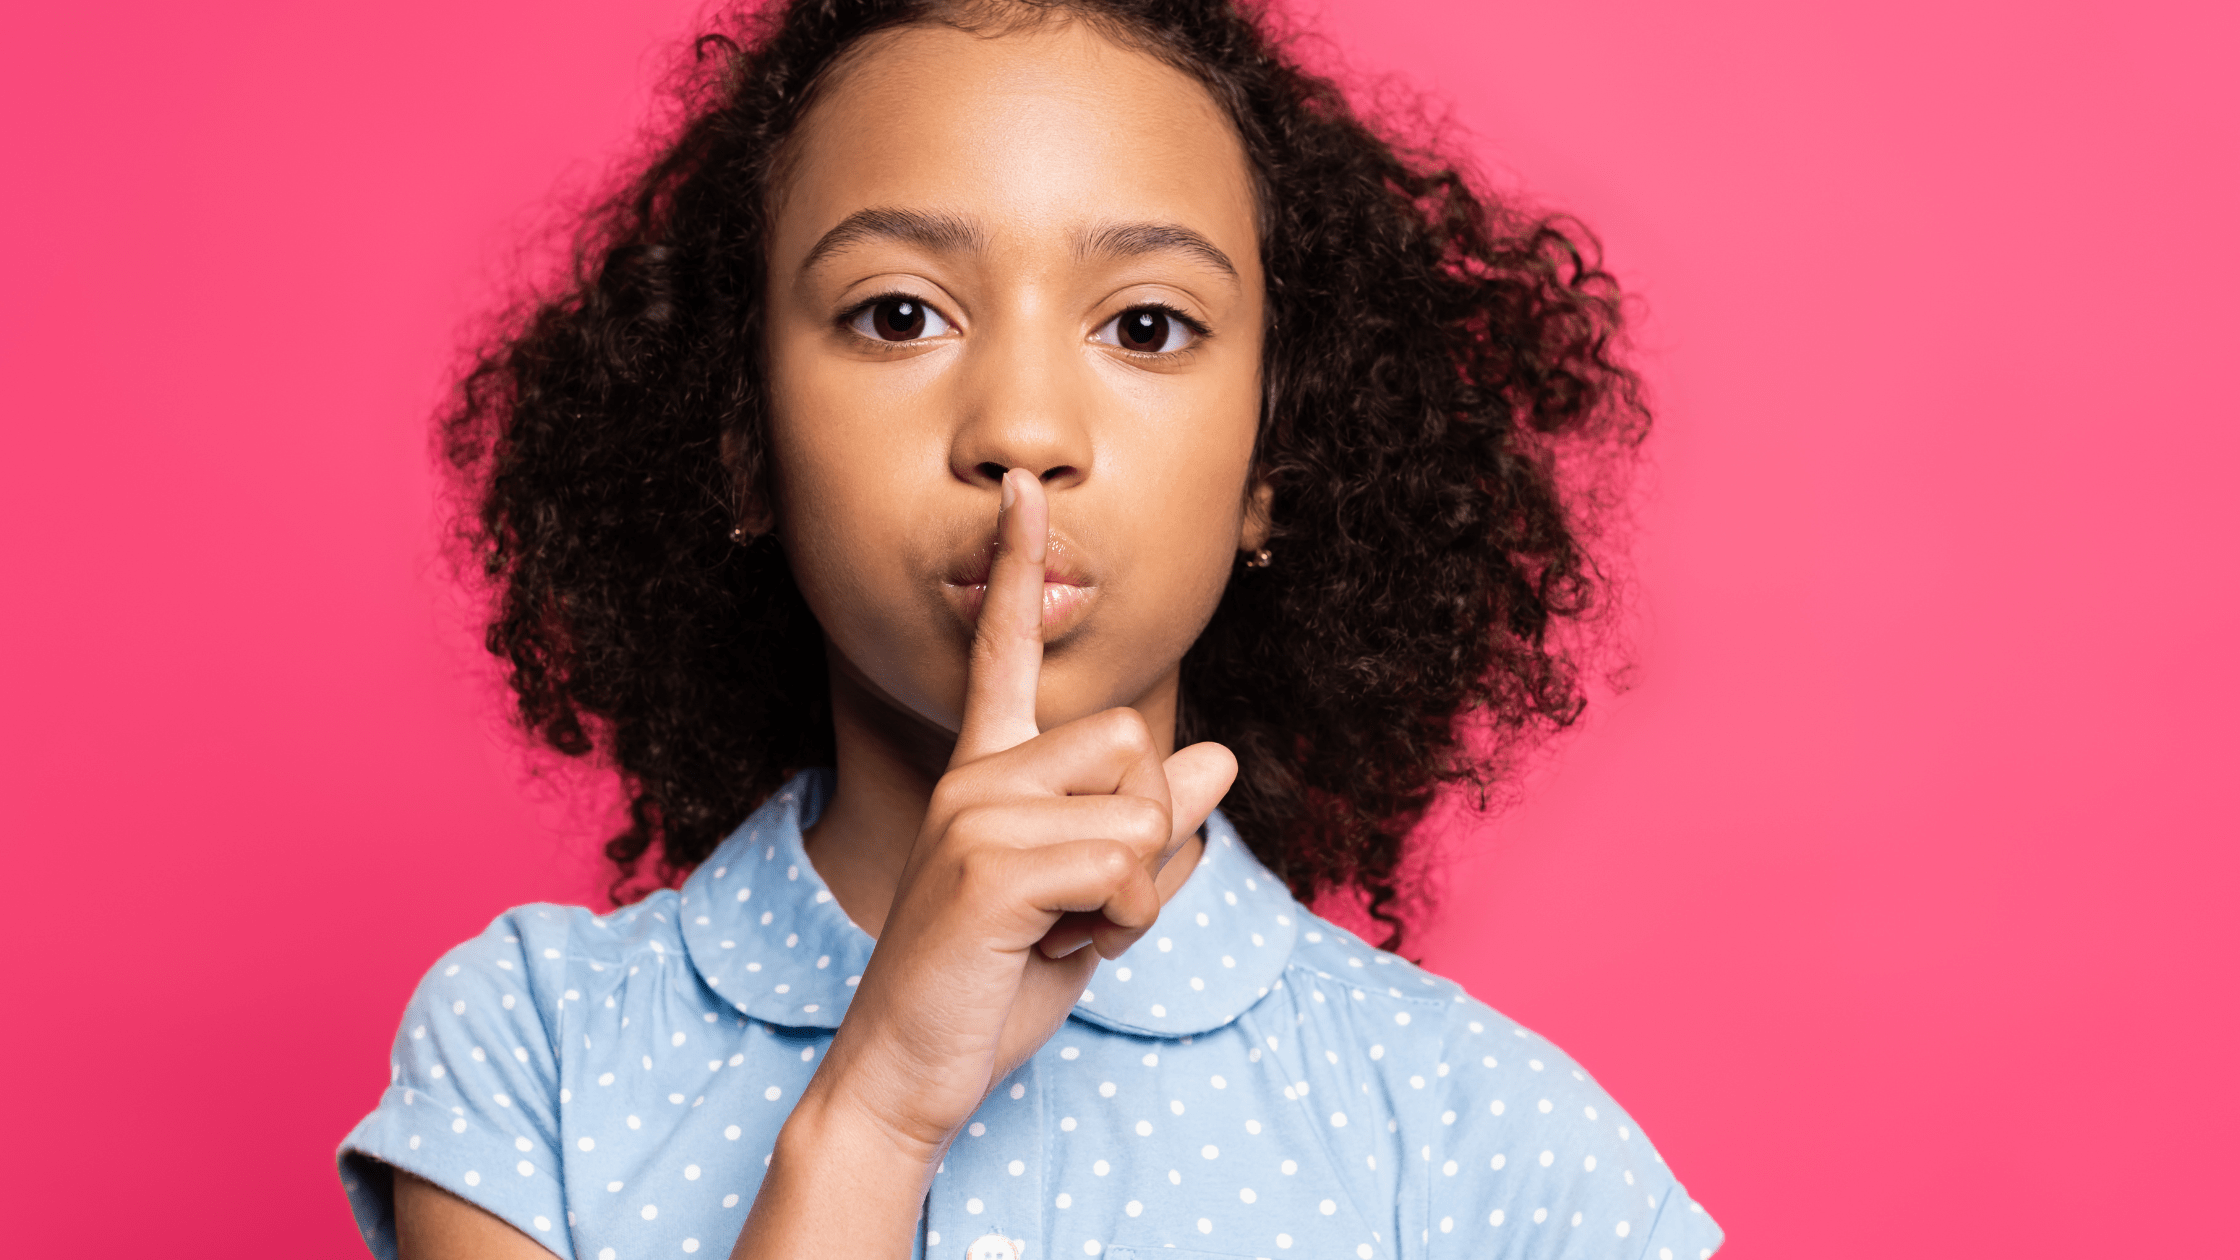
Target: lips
x=1069, y=585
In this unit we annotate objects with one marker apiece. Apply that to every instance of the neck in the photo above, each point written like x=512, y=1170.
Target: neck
x=887, y=760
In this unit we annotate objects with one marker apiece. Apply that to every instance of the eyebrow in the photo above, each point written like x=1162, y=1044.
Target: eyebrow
x=945, y=233
x=940, y=233
x=1129, y=240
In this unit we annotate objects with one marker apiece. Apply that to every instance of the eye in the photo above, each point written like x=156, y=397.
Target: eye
x=1150, y=330
x=897, y=319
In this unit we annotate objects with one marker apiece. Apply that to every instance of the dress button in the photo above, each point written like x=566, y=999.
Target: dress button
x=996, y=1247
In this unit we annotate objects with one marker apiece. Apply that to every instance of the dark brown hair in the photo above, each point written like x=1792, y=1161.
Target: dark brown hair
x=1442, y=407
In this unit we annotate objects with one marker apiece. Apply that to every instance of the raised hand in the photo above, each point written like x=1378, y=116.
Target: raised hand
x=1036, y=844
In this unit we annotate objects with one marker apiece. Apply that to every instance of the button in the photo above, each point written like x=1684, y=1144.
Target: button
x=996, y=1247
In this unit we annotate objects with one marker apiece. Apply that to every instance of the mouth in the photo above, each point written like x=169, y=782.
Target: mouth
x=1068, y=586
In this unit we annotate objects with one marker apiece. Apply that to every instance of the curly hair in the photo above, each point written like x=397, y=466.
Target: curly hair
x=1443, y=399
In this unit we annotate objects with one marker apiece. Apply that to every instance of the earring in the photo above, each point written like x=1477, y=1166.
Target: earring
x=740, y=535
x=1260, y=559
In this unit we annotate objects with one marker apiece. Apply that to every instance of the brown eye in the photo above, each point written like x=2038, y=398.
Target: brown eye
x=898, y=319
x=1145, y=330
x=1148, y=330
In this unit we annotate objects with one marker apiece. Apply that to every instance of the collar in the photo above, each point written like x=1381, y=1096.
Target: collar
x=763, y=930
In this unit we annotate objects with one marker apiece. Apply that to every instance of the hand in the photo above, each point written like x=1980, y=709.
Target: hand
x=1036, y=846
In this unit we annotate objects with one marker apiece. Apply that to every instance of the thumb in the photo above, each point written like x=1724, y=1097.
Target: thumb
x=1197, y=778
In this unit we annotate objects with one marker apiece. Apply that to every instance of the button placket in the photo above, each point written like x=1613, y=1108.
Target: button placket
x=988, y=1197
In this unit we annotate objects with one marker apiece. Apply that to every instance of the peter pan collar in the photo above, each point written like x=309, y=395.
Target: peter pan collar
x=763, y=930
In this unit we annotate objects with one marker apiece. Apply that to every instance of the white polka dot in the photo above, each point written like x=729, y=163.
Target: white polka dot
x=1158, y=1010
x=1590, y=1163
x=731, y=1131
x=1166, y=944
x=1499, y=1161
x=1143, y=1128
x=1547, y=1158
x=731, y=1200
x=977, y=1129
x=1134, y=1208
x=1364, y=1251
x=606, y=1078
x=1283, y=1240
x=1539, y=1215
x=1070, y=1053
x=1252, y=1126
x=542, y=1223
x=632, y=1121
x=772, y=1093
x=1016, y=1167
x=459, y=1126
x=1337, y=1119
x=473, y=1178
x=1497, y=1217
x=1100, y=1168
x=1624, y=1228
x=1450, y=1168
x=1151, y=1060
x=1092, y=1246
x=1576, y=1217
x=649, y=1211
x=1247, y=1195
x=1018, y=1091
x=1065, y=1200
x=1068, y=1124
x=1399, y=1017
x=1175, y=1106
x=1289, y=1167
x=1546, y=1106
x=525, y=1168
x=606, y=1253
x=1446, y=1224
x=974, y=1206
x=692, y=1172
x=1205, y=1226
x=1497, y=1106
x=613, y=1187
x=691, y=1244
x=1329, y=1207
x=1108, y=1089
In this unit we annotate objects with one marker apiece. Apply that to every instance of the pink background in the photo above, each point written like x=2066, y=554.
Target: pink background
x=1896, y=899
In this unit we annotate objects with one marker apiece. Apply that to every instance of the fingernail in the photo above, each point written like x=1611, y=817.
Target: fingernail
x=1010, y=492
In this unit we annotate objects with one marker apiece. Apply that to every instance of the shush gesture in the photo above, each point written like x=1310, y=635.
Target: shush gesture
x=1041, y=852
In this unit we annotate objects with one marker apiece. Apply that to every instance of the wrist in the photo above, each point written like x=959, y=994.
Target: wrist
x=835, y=1116
x=839, y=1182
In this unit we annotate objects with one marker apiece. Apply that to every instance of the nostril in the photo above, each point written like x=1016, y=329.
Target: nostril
x=1062, y=471
x=992, y=470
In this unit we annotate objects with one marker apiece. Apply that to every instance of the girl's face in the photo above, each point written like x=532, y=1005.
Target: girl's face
x=1032, y=250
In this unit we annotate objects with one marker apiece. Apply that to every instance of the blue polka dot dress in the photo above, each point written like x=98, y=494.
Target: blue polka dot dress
x=1248, y=1080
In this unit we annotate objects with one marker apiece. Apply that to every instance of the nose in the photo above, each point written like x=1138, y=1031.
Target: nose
x=1025, y=403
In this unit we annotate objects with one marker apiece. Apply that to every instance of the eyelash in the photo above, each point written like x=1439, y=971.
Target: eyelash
x=1198, y=331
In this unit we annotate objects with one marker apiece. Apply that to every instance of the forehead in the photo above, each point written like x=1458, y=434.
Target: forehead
x=1035, y=132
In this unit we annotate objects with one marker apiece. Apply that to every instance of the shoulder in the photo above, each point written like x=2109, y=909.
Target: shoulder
x=1511, y=1131
x=540, y=944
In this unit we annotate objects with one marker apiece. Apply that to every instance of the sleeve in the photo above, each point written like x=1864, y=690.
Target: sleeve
x=473, y=1101
x=1533, y=1159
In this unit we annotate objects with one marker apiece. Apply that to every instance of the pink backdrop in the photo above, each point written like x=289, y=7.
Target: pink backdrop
x=1896, y=899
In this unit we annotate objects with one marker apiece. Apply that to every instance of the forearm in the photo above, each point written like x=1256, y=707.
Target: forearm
x=839, y=1183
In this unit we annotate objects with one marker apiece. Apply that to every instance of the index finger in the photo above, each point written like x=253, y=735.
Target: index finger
x=1005, y=667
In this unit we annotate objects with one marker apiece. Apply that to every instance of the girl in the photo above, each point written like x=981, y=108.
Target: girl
x=988, y=437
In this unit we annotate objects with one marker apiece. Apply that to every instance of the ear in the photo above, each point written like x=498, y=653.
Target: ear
x=1259, y=520
x=750, y=501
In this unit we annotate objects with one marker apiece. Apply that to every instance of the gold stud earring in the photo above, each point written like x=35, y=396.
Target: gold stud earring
x=740, y=535
x=1260, y=559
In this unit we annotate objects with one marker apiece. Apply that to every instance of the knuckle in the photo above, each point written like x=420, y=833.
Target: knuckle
x=1111, y=860
x=1144, y=823
x=1126, y=730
